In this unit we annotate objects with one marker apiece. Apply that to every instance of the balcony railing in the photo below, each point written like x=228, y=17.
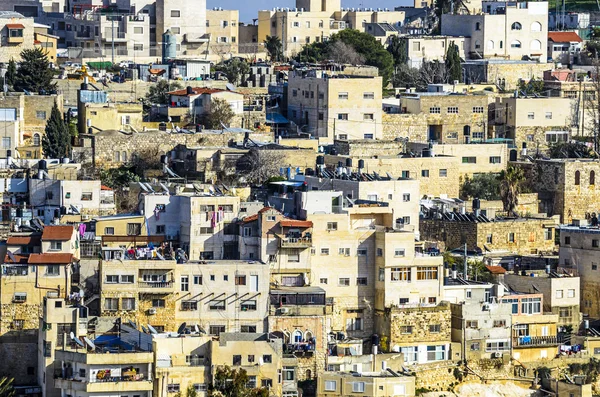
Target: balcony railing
x=11, y=270
x=296, y=242
x=537, y=340
x=155, y=284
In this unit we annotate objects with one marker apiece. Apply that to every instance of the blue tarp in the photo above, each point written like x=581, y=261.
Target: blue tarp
x=276, y=118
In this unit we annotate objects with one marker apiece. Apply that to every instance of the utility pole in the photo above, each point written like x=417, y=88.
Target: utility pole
x=113, y=39
x=465, y=274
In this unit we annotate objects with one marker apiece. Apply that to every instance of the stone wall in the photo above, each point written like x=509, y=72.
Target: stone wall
x=411, y=126
x=164, y=317
x=28, y=313
x=420, y=318
x=19, y=352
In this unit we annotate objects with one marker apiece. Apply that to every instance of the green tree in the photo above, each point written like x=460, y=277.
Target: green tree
x=56, y=142
x=485, y=186
x=274, y=48
x=531, y=87
x=158, y=93
x=190, y=392
x=11, y=73
x=441, y=7
x=452, y=62
x=6, y=387
x=398, y=49
x=511, y=180
x=220, y=114
x=34, y=73
x=234, y=383
x=234, y=69
x=570, y=150
x=405, y=76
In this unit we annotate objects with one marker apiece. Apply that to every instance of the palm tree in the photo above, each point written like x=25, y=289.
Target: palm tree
x=510, y=187
x=274, y=48
x=6, y=387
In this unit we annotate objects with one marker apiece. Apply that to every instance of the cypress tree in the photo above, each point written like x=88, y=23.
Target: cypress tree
x=452, y=62
x=11, y=73
x=56, y=143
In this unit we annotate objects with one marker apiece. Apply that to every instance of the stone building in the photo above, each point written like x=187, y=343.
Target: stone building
x=17, y=35
x=334, y=104
x=222, y=30
x=519, y=236
x=506, y=74
x=420, y=49
x=565, y=187
x=369, y=384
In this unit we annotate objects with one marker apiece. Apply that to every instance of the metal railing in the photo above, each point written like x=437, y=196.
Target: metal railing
x=155, y=284
x=537, y=340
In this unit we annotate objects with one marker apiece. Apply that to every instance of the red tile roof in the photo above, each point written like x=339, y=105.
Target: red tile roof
x=496, y=269
x=102, y=187
x=295, y=223
x=22, y=259
x=250, y=218
x=564, y=37
x=14, y=26
x=196, y=91
x=61, y=233
x=23, y=240
x=265, y=209
x=50, y=259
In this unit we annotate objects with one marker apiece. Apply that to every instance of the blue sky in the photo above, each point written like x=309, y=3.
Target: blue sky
x=249, y=10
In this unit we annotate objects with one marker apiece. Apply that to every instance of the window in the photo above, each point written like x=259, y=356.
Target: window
x=567, y=240
x=469, y=160
x=185, y=283
x=237, y=359
x=452, y=110
x=216, y=329
x=240, y=280
x=548, y=234
x=175, y=13
x=443, y=173
x=406, y=329
x=436, y=353
x=175, y=30
x=406, y=197
x=497, y=346
x=530, y=305
x=536, y=27
x=134, y=229
x=189, y=305
x=489, y=239
x=475, y=346
x=36, y=140
x=515, y=44
x=332, y=225
x=425, y=173
x=342, y=95
x=225, y=277
x=477, y=25
x=111, y=304
x=128, y=304
x=323, y=280
x=55, y=245
x=511, y=237
x=267, y=359
x=495, y=159
x=515, y=26
x=401, y=274
x=324, y=251
x=499, y=323
x=592, y=178
x=435, y=110
x=158, y=303
x=20, y=297
x=344, y=251
x=200, y=387
x=343, y=282
x=361, y=252
x=473, y=324
x=367, y=136
x=427, y=273
x=477, y=109
x=354, y=324
x=249, y=305
x=53, y=270
x=559, y=293
x=342, y=116
x=173, y=387
x=368, y=116
x=435, y=328
x=469, y=294
x=406, y=220
x=361, y=281
x=571, y=293
x=368, y=95
x=358, y=387
x=296, y=24
x=138, y=30
x=206, y=230
x=565, y=312
x=399, y=252
x=112, y=279
x=330, y=385
x=127, y=279
x=294, y=256
x=136, y=47
x=577, y=177
x=40, y=114
x=47, y=349
x=217, y=305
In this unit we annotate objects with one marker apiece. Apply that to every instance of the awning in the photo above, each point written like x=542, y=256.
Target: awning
x=14, y=26
x=99, y=65
x=276, y=118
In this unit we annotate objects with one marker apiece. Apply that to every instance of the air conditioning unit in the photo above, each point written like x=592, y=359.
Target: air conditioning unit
x=284, y=310
x=152, y=311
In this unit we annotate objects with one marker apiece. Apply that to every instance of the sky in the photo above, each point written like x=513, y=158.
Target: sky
x=249, y=10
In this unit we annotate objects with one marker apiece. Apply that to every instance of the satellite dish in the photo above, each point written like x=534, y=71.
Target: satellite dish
x=152, y=330
x=132, y=324
x=144, y=188
x=181, y=329
x=202, y=331
x=72, y=335
x=89, y=343
x=74, y=339
x=11, y=256
x=145, y=330
x=230, y=87
x=196, y=328
x=169, y=119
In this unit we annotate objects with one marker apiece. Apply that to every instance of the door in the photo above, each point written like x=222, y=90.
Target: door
x=254, y=283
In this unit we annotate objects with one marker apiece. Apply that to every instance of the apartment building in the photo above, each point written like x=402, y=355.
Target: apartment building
x=315, y=21
x=505, y=29
x=187, y=21
x=564, y=47
x=196, y=102
x=222, y=30
x=579, y=246
x=41, y=266
x=372, y=384
x=561, y=294
x=535, y=122
x=566, y=187
x=474, y=158
x=568, y=20
x=420, y=49
x=336, y=105
x=17, y=35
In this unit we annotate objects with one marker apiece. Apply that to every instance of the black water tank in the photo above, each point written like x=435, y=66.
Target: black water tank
x=333, y=151
x=513, y=155
x=476, y=204
x=340, y=163
x=320, y=160
x=189, y=90
x=361, y=163
x=524, y=145
x=348, y=162
x=309, y=172
x=375, y=340
x=426, y=153
x=8, y=153
x=43, y=165
x=163, y=159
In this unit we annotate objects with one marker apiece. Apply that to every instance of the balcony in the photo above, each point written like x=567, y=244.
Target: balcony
x=116, y=36
x=156, y=287
x=114, y=384
x=15, y=270
x=295, y=242
x=534, y=341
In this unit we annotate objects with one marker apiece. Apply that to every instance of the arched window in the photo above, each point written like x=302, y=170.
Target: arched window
x=308, y=374
x=535, y=45
x=577, y=177
x=36, y=139
x=477, y=44
x=592, y=178
x=490, y=45
x=536, y=27
x=516, y=26
x=297, y=336
x=117, y=157
x=286, y=337
x=515, y=44
x=124, y=156
x=308, y=336
x=501, y=44
x=477, y=25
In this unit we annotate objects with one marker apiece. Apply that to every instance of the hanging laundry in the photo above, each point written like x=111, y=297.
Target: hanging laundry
x=213, y=219
x=82, y=228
